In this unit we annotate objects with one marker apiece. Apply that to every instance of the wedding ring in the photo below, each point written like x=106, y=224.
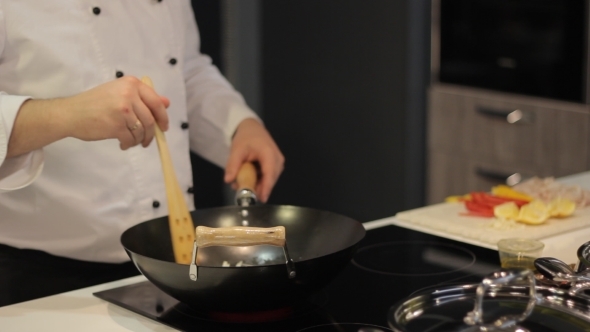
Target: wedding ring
x=135, y=126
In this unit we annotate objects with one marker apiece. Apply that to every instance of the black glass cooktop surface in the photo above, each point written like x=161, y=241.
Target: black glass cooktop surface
x=390, y=264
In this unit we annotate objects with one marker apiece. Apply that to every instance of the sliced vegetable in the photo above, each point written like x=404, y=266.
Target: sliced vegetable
x=483, y=204
x=492, y=200
x=458, y=198
x=480, y=209
x=508, y=204
x=507, y=192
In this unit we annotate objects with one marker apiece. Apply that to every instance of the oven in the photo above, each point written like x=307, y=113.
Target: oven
x=390, y=264
x=531, y=47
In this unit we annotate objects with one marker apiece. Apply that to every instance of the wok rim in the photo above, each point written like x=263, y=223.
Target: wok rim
x=361, y=235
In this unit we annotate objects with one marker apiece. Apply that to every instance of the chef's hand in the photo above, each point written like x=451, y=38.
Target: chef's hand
x=125, y=109
x=252, y=142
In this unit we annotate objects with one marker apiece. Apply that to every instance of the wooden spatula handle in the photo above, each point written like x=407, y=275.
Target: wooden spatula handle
x=179, y=218
x=240, y=236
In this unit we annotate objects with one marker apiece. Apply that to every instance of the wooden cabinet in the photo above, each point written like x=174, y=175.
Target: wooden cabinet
x=478, y=138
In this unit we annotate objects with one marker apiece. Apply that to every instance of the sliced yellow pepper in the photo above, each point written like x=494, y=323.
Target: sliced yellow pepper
x=507, y=192
x=458, y=198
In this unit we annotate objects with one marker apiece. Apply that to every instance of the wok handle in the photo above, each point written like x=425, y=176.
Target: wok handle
x=247, y=177
x=240, y=236
x=246, y=181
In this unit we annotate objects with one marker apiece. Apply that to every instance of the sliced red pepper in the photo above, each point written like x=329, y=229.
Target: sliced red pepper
x=480, y=199
x=491, y=200
x=482, y=204
x=473, y=206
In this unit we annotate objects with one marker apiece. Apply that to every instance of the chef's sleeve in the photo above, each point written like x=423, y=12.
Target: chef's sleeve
x=215, y=108
x=20, y=171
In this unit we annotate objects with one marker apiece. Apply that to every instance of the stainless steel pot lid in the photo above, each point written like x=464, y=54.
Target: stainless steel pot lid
x=504, y=301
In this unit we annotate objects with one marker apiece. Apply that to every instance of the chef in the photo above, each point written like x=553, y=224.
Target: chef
x=78, y=164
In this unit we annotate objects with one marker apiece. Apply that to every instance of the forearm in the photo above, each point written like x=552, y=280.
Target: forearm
x=123, y=109
x=37, y=124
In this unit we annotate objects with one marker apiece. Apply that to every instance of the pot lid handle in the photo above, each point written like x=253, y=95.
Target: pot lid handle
x=497, y=280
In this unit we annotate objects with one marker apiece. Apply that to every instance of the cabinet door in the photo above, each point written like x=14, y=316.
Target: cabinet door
x=551, y=139
x=472, y=144
x=545, y=139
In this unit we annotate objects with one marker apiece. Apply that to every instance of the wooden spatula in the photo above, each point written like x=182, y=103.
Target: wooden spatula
x=182, y=231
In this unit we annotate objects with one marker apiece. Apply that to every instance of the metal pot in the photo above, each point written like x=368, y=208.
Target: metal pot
x=583, y=258
x=507, y=300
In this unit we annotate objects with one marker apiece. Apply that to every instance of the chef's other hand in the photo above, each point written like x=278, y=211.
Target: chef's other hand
x=125, y=109
x=253, y=143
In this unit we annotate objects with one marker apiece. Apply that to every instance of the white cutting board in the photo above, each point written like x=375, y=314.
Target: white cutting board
x=445, y=218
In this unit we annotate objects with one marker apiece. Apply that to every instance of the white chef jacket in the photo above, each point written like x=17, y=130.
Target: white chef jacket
x=75, y=198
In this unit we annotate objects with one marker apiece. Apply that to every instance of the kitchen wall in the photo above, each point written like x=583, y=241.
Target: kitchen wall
x=341, y=86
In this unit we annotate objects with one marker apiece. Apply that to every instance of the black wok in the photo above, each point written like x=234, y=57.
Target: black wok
x=320, y=243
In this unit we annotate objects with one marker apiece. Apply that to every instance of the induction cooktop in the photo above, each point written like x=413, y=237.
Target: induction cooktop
x=390, y=264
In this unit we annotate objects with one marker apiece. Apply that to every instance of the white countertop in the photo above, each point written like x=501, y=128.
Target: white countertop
x=79, y=310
